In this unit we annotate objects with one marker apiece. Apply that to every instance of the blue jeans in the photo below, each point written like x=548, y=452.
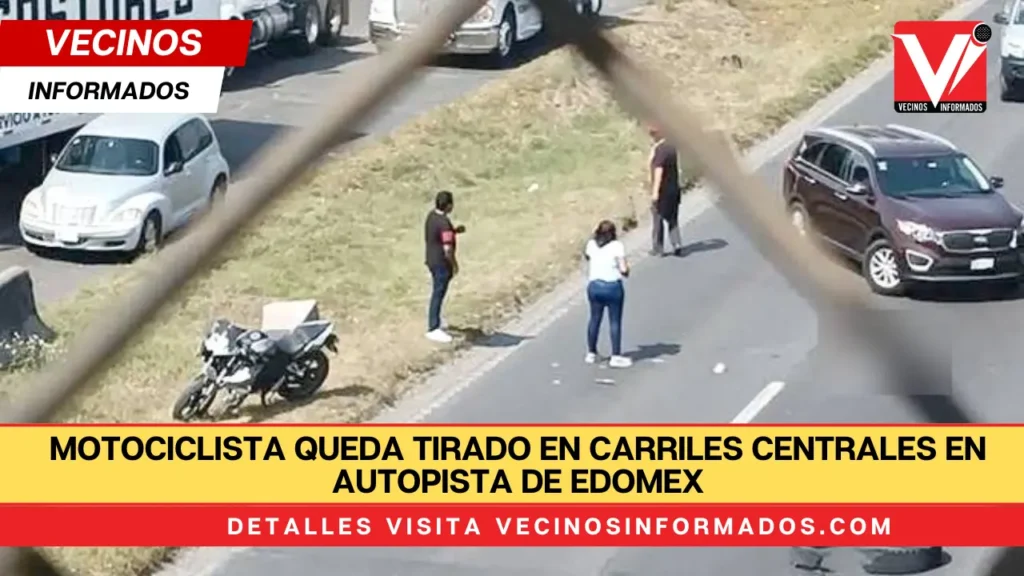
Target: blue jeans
x=602, y=295
x=441, y=276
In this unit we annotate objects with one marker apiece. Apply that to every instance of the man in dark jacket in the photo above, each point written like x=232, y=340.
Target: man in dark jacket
x=666, y=194
x=439, y=234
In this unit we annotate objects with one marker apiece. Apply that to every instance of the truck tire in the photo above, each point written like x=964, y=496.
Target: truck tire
x=333, y=23
x=309, y=26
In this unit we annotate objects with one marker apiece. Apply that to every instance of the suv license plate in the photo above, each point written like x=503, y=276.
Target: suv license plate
x=982, y=263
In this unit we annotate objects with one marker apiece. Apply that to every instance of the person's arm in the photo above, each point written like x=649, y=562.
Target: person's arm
x=620, y=259
x=448, y=245
x=657, y=172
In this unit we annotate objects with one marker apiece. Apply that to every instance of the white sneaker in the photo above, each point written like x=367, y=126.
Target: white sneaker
x=440, y=336
x=620, y=362
x=590, y=358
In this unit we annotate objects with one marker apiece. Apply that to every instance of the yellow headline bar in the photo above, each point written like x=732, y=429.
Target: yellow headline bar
x=487, y=464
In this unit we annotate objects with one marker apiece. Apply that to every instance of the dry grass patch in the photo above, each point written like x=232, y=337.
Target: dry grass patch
x=534, y=159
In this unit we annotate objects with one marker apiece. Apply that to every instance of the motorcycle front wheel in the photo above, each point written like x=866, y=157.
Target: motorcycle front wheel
x=315, y=367
x=195, y=400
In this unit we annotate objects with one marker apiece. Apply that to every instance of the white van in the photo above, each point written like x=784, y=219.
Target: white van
x=1011, y=50
x=123, y=182
x=493, y=31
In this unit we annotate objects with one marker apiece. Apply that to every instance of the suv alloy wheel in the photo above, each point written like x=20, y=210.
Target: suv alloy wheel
x=882, y=270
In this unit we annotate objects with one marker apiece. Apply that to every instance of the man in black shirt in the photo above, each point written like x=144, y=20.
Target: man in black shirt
x=439, y=234
x=666, y=194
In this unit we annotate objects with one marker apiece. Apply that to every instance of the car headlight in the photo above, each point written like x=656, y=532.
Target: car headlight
x=126, y=215
x=919, y=232
x=30, y=208
x=1013, y=49
x=485, y=14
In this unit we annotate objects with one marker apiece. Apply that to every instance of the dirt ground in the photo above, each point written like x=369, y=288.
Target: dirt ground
x=535, y=159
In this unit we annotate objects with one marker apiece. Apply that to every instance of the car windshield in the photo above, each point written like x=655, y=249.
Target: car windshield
x=931, y=176
x=107, y=155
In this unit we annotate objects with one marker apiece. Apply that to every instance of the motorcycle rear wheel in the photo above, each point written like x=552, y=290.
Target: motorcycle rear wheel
x=316, y=367
x=195, y=400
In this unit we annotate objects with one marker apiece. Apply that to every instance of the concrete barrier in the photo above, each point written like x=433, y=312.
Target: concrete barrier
x=19, y=317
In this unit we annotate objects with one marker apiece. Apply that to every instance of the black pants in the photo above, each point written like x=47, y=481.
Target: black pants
x=441, y=276
x=665, y=217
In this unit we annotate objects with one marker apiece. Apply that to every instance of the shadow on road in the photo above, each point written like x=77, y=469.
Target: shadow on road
x=241, y=140
x=477, y=337
x=652, y=351
x=702, y=246
x=968, y=293
x=263, y=68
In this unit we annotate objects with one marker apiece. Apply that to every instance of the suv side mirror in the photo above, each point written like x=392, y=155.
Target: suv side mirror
x=1001, y=18
x=857, y=189
x=996, y=181
x=172, y=168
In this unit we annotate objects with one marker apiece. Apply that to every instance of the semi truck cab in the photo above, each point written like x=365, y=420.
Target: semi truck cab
x=495, y=30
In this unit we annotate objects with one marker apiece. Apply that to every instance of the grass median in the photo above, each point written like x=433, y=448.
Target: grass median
x=535, y=159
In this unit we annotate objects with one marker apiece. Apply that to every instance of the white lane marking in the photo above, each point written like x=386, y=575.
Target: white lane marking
x=759, y=402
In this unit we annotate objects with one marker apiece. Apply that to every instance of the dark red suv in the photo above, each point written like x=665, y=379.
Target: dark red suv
x=906, y=204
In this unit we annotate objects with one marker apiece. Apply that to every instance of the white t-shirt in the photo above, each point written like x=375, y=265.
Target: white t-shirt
x=603, y=260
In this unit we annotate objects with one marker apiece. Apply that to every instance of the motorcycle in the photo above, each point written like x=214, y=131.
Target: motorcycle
x=290, y=364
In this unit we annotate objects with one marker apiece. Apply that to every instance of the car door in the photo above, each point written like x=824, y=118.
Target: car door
x=190, y=140
x=205, y=161
x=835, y=225
x=806, y=182
x=856, y=212
x=176, y=182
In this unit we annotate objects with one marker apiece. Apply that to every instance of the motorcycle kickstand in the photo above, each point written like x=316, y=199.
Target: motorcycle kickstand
x=266, y=395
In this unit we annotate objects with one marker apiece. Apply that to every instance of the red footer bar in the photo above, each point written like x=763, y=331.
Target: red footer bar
x=510, y=525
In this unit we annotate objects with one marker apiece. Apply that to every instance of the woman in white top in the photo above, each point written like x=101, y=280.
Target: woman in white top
x=606, y=257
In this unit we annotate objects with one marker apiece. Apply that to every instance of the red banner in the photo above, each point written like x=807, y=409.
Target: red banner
x=214, y=43
x=510, y=525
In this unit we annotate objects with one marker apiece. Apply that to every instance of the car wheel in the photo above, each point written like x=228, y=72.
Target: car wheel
x=882, y=270
x=504, y=53
x=219, y=191
x=799, y=219
x=1006, y=87
x=330, y=34
x=151, y=236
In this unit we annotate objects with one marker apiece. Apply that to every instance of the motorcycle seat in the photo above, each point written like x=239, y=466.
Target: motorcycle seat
x=291, y=342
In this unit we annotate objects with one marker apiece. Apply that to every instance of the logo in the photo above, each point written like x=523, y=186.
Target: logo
x=981, y=240
x=939, y=66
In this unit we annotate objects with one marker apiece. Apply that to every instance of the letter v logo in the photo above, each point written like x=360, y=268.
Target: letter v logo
x=940, y=66
x=961, y=51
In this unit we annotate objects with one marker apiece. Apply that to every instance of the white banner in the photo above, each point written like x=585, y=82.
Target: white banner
x=112, y=89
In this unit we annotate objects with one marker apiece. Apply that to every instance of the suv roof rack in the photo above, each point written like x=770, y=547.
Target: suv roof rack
x=921, y=134
x=849, y=138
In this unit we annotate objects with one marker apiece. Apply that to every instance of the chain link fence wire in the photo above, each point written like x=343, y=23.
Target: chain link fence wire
x=744, y=198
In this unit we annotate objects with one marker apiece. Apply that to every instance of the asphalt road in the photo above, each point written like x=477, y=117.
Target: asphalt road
x=270, y=96
x=720, y=303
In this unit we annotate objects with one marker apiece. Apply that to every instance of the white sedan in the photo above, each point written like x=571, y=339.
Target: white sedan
x=123, y=182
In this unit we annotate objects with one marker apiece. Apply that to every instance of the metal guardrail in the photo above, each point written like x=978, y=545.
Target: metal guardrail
x=283, y=163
